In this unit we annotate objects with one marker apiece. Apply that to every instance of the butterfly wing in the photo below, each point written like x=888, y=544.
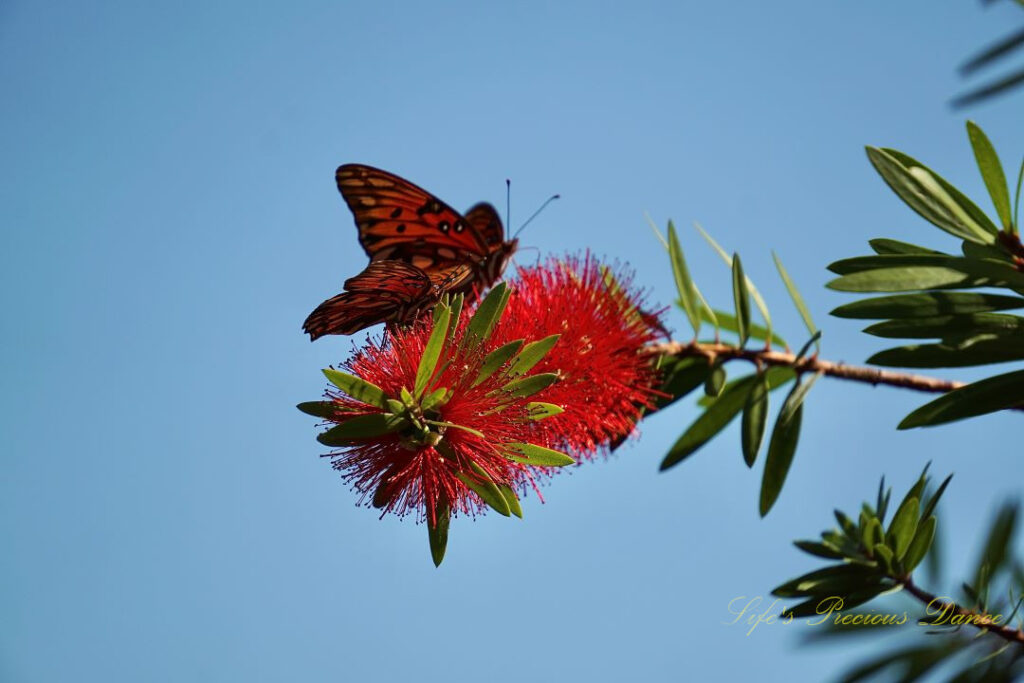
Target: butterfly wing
x=484, y=218
x=398, y=220
x=386, y=291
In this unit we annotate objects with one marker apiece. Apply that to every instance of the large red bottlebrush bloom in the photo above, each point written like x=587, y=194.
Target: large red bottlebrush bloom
x=467, y=412
x=605, y=380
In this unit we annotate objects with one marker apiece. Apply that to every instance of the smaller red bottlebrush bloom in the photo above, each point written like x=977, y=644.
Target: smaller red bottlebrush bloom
x=441, y=417
x=606, y=380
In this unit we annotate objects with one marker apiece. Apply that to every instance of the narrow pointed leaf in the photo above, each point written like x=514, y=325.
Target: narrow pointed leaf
x=538, y=410
x=991, y=172
x=483, y=486
x=818, y=550
x=325, y=409
x=432, y=351
x=978, y=351
x=754, y=293
x=755, y=420
x=921, y=544
x=713, y=420
x=357, y=388
x=512, y=499
x=984, y=396
x=927, y=305
x=794, y=294
x=362, y=427
x=452, y=425
x=527, y=386
x=538, y=456
x=883, y=245
x=488, y=313
x=929, y=507
x=436, y=398
x=715, y=381
x=782, y=445
x=495, y=359
x=741, y=299
x=903, y=527
x=684, y=284
x=438, y=533
x=777, y=376
x=531, y=354
x=727, y=321
x=943, y=326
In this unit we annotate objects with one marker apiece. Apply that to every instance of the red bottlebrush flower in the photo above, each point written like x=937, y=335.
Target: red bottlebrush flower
x=605, y=380
x=442, y=418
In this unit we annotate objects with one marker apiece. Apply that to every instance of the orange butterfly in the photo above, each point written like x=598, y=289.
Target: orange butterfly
x=419, y=247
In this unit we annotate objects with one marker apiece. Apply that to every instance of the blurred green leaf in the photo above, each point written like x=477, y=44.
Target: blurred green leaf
x=684, y=283
x=356, y=387
x=912, y=662
x=920, y=545
x=836, y=579
x=818, y=550
x=927, y=305
x=872, y=533
x=715, y=381
x=360, y=428
x=995, y=552
x=903, y=527
x=754, y=294
x=711, y=421
x=991, y=172
x=436, y=398
x=755, y=419
x=929, y=507
x=782, y=445
x=994, y=88
x=741, y=300
x=794, y=294
x=984, y=396
x=884, y=555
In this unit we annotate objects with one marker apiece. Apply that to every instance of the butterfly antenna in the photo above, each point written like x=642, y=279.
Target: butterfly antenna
x=535, y=213
x=508, y=201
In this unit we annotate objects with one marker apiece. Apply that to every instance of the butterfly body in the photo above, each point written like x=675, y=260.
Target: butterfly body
x=419, y=248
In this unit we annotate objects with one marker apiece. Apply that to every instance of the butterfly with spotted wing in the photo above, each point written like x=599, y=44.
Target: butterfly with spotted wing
x=419, y=247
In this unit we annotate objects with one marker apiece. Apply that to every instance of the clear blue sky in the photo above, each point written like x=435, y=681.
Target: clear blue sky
x=169, y=218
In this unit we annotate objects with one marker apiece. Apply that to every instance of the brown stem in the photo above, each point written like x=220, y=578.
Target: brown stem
x=977, y=619
x=856, y=373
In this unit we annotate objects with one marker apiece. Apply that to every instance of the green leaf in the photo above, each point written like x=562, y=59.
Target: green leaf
x=755, y=420
x=944, y=326
x=356, y=387
x=882, y=245
x=452, y=425
x=432, y=351
x=681, y=376
x=984, y=396
x=531, y=354
x=929, y=507
x=991, y=172
x=528, y=386
x=684, y=284
x=921, y=544
x=436, y=398
x=794, y=294
x=920, y=194
x=1016, y=200
x=482, y=485
x=823, y=581
x=927, y=305
x=754, y=293
x=538, y=410
x=715, y=381
x=882, y=500
x=438, y=533
x=903, y=527
x=979, y=351
x=455, y=304
x=727, y=321
x=512, y=499
x=538, y=456
x=488, y=313
x=998, y=547
x=818, y=550
x=324, y=409
x=782, y=445
x=883, y=554
x=903, y=272
x=777, y=376
x=713, y=420
x=495, y=359
x=741, y=299
x=872, y=533
x=362, y=427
